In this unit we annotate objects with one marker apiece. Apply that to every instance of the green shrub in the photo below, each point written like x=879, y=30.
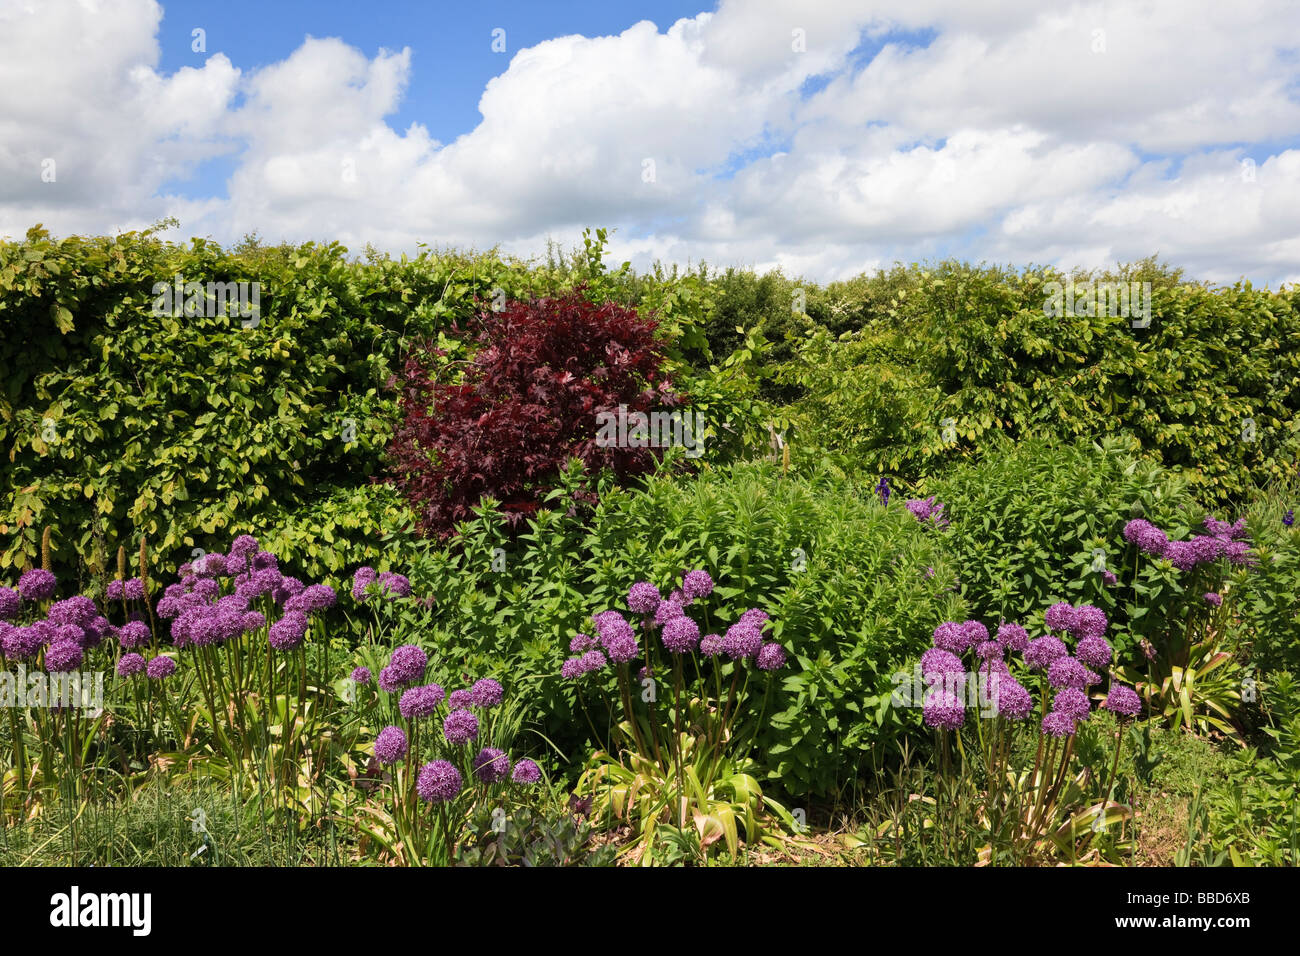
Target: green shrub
x=1030, y=521
x=962, y=354
x=844, y=580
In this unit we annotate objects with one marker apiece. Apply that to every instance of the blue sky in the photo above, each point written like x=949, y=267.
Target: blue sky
x=825, y=138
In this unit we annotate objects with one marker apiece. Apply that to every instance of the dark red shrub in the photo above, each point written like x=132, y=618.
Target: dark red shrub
x=528, y=402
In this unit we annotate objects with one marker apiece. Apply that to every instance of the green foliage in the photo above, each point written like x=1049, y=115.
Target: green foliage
x=1028, y=521
x=189, y=428
x=1211, y=386
x=844, y=580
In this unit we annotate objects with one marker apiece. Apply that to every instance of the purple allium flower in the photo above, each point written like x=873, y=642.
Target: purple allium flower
x=1212, y=598
x=418, y=702
x=951, y=636
x=571, y=669
x=487, y=693
x=314, y=597
x=1238, y=552
x=21, y=643
x=938, y=661
x=581, y=643
x=286, y=589
x=1067, y=672
x=460, y=727
x=643, y=598
x=133, y=589
x=9, y=602
x=1057, y=724
x=1094, y=651
x=407, y=664
x=942, y=709
x=1122, y=701
x=667, y=610
x=491, y=765
x=63, y=656
x=1059, y=617
x=390, y=745
x=160, y=667
x=245, y=545
x=526, y=772
x=711, y=645
x=1074, y=702
x=1146, y=536
x=976, y=632
x=115, y=591
x=754, y=618
x=1010, y=698
x=460, y=699
x=265, y=559
x=36, y=584
x=361, y=579
x=622, y=647
x=681, y=635
x=1014, y=637
x=129, y=665
x=134, y=634
x=395, y=585
x=1108, y=577
x=987, y=650
x=697, y=584
x=742, y=640
x=771, y=657
x=1088, y=621
x=252, y=621
x=1042, y=651
x=438, y=782
x=361, y=675
x=288, y=632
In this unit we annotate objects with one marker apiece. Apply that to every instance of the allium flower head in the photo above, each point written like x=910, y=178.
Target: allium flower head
x=1212, y=597
x=360, y=675
x=36, y=584
x=288, y=632
x=438, y=782
x=63, y=657
x=942, y=709
x=1042, y=651
x=951, y=636
x=1058, y=724
x=460, y=727
x=160, y=667
x=755, y=618
x=9, y=602
x=1014, y=637
x=1088, y=621
x=460, y=699
x=711, y=645
x=420, y=702
x=314, y=598
x=643, y=598
x=134, y=634
x=1074, y=702
x=581, y=643
x=487, y=693
x=1146, y=536
x=129, y=665
x=1010, y=698
x=742, y=640
x=987, y=650
x=526, y=772
x=1094, y=651
x=1059, y=617
x=1067, y=672
x=407, y=664
x=491, y=765
x=771, y=657
x=667, y=610
x=938, y=661
x=681, y=635
x=697, y=584
x=390, y=745
x=1123, y=701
